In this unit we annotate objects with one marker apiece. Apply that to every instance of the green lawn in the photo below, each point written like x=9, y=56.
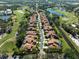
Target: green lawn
x=65, y=46
x=8, y=47
x=70, y=18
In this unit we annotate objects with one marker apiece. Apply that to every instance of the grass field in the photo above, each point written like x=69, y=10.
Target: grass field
x=76, y=47
x=69, y=17
x=65, y=46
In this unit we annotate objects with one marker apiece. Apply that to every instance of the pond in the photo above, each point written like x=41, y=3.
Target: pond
x=5, y=17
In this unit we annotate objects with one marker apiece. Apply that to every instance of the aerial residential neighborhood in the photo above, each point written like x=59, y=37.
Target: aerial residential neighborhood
x=39, y=29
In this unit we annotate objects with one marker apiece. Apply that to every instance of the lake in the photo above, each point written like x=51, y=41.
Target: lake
x=5, y=17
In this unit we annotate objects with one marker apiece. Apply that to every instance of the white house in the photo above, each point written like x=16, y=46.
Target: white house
x=8, y=11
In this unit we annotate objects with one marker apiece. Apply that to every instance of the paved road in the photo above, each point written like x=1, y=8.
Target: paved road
x=41, y=34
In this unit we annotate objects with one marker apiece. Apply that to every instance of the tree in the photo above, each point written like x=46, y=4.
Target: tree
x=21, y=33
x=70, y=54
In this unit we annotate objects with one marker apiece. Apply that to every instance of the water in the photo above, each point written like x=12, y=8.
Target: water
x=5, y=17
